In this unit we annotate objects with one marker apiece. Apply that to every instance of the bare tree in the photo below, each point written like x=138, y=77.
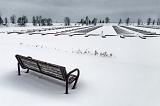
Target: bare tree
x=120, y=21
x=22, y=21
x=107, y=20
x=67, y=21
x=49, y=22
x=38, y=20
x=34, y=21
x=100, y=21
x=127, y=21
x=158, y=21
x=87, y=20
x=139, y=21
x=148, y=21
x=94, y=21
x=82, y=22
x=13, y=19
x=154, y=21
x=5, y=21
x=1, y=21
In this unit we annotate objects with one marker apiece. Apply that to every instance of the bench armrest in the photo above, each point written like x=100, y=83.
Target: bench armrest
x=76, y=79
x=78, y=72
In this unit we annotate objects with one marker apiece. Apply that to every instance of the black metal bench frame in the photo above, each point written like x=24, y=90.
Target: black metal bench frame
x=41, y=67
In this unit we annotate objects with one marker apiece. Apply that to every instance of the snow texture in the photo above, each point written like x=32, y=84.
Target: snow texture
x=130, y=77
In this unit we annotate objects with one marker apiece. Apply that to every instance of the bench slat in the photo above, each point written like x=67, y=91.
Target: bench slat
x=50, y=69
x=30, y=64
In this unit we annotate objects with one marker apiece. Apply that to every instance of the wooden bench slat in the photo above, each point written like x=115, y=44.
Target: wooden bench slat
x=30, y=64
x=55, y=71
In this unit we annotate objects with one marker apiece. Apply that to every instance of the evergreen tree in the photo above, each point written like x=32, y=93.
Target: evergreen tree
x=43, y=22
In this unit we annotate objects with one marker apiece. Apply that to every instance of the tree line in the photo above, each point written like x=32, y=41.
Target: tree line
x=126, y=21
x=42, y=21
x=23, y=20
x=94, y=21
x=149, y=21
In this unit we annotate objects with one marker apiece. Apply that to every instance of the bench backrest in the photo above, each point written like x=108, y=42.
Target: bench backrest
x=53, y=70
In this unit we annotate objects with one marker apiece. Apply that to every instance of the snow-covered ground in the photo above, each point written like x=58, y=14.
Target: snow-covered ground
x=131, y=77
x=105, y=30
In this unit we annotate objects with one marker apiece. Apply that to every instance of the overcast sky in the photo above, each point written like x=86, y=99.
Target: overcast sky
x=76, y=9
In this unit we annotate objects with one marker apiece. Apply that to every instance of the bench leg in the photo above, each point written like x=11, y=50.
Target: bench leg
x=27, y=71
x=66, y=87
x=75, y=83
x=19, y=69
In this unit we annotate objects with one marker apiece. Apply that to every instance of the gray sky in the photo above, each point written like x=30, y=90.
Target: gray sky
x=76, y=9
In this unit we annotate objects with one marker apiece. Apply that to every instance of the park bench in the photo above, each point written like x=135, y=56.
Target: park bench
x=48, y=69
